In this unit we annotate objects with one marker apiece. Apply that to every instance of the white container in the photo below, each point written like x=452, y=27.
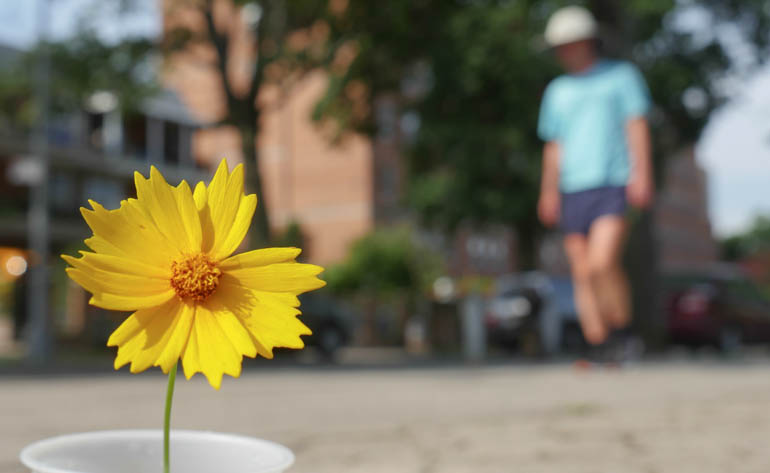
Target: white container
x=141, y=451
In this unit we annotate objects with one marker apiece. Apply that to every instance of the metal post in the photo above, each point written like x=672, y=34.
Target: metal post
x=155, y=151
x=38, y=329
x=474, y=336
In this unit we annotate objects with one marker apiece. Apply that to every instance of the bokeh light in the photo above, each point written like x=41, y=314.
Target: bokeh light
x=16, y=265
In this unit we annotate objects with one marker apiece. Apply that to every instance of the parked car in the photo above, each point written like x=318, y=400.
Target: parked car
x=534, y=312
x=330, y=320
x=723, y=309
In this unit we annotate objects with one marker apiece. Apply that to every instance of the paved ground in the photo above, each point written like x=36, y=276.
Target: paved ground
x=672, y=417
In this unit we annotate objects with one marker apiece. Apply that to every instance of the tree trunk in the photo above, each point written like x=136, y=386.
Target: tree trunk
x=260, y=224
x=641, y=261
x=526, y=242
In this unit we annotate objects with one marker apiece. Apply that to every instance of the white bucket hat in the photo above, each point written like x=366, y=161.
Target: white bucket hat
x=570, y=24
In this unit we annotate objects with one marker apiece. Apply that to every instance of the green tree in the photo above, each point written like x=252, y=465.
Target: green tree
x=753, y=240
x=285, y=38
x=476, y=156
x=387, y=265
x=79, y=67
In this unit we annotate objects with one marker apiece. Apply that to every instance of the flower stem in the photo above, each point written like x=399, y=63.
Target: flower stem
x=167, y=416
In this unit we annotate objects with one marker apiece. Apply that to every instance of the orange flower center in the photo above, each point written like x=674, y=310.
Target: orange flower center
x=195, y=277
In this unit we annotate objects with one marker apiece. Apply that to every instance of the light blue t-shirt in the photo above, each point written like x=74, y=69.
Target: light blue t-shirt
x=587, y=114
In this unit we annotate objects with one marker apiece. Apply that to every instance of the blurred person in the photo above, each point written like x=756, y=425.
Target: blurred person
x=596, y=159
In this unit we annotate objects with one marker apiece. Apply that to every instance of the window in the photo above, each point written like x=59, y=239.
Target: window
x=171, y=143
x=107, y=192
x=62, y=194
x=135, y=136
x=95, y=130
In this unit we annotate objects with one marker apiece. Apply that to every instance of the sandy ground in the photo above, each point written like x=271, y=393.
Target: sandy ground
x=657, y=417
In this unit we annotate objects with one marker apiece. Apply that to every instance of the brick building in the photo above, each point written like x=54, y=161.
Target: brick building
x=337, y=192
x=682, y=226
x=327, y=188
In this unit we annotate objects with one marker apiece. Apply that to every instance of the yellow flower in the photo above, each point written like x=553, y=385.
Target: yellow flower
x=166, y=256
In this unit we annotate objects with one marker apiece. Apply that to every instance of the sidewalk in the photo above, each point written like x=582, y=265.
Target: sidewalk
x=662, y=417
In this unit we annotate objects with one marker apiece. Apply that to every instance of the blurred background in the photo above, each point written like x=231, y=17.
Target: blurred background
x=396, y=143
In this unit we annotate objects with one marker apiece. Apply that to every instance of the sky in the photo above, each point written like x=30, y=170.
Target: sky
x=734, y=148
x=19, y=25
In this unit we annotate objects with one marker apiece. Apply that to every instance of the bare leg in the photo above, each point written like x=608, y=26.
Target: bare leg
x=605, y=251
x=591, y=322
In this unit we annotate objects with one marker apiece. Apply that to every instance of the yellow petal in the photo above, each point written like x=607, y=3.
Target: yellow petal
x=200, y=195
x=176, y=343
x=117, y=264
x=139, y=216
x=261, y=257
x=204, y=215
x=231, y=325
x=221, y=349
x=238, y=230
x=97, y=281
x=124, y=303
x=157, y=197
x=265, y=351
x=131, y=336
x=223, y=201
x=190, y=354
x=189, y=213
x=216, y=188
x=270, y=323
x=295, y=278
x=275, y=329
x=217, y=356
x=102, y=246
x=130, y=327
x=215, y=199
x=127, y=351
x=125, y=230
x=162, y=326
x=279, y=299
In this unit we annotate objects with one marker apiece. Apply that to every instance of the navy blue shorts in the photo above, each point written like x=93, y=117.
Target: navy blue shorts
x=580, y=209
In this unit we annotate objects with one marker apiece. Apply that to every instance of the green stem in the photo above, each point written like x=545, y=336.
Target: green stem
x=167, y=416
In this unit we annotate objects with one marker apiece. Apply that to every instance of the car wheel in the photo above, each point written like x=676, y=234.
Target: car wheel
x=530, y=344
x=572, y=339
x=330, y=339
x=730, y=340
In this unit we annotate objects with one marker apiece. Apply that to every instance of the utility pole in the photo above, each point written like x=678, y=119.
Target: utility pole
x=38, y=219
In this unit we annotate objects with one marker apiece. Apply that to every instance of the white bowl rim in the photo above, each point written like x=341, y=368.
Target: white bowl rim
x=27, y=454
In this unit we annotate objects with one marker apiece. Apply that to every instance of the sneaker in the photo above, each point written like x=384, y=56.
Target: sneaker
x=593, y=356
x=624, y=348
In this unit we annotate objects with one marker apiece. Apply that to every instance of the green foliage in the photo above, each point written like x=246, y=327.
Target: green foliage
x=476, y=156
x=85, y=64
x=754, y=240
x=78, y=67
x=291, y=236
x=377, y=45
x=284, y=37
x=386, y=263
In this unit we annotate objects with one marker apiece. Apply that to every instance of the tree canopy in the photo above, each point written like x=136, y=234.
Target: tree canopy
x=752, y=241
x=389, y=262
x=466, y=76
x=470, y=74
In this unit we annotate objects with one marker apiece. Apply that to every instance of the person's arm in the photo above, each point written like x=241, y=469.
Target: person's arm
x=641, y=186
x=549, y=204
